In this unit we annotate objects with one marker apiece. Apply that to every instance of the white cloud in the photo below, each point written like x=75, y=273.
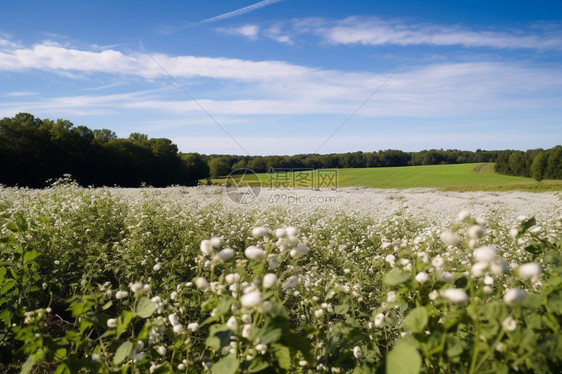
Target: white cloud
x=375, y=31
x=20, y=93
x=248, y=31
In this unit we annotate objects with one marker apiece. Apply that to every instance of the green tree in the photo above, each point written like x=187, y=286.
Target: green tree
x=218, y=167
x=538, y=167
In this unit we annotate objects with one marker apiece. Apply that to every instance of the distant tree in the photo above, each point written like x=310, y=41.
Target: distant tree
x=218, y=167
x=554, y=164
x=196, y=166
x=538, y=167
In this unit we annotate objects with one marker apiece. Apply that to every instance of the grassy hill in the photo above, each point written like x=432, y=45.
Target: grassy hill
x=460, y=177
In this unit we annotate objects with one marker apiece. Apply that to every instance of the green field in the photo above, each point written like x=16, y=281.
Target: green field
x=460, y=177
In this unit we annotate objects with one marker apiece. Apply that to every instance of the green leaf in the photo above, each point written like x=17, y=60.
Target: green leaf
x=341, y=309
x=13, y=228
x=219, y=336
x=63, y=369
x=21, y=222
x=526, y=225
x=226, y=365
x=123, y=352
x=416, y=320
x=268, y=335
x=395, y=277
x=283, y=355
x=123, y=321
x=403, y=359
x=145, y=307
x=30, y=255
x=7, y=286
x=257, y=365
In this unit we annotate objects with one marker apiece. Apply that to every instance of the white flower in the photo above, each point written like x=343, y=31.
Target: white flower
x=269, y=280
x=299, y=251
x=437, y=262
x=174, y=319
x=202, y=283
x=291, y=231
x=487, y=289
x=499, y=267
x=251, y=299
x=455, y=295
x=291, y=282
x=247, y=331
x=173, y=295
x=479, y=269
x=530, y=271
x=215, y=242
x=254, y=253
x=513, y=233
x=509, y=324
x=157, y=267
x=194, y=326
x=111, y=323
x=476, y=232
x=463, y=215
x=391, y=297
x=280, y=233
x=357, y=352
x=232, y=278
x=181, y=367
x=136, y=287
x=319, y=313
x=259, y=232
x=390, y=259
x=379, y=319
x=162, y=350
x=232, y=323
x=422, y=277
x=225, y=254
x=488, y=280
x=450, y=238
x=514, y=296
x=178, y=329
x=485, y=254
x=433, y=295
x=206, y=247
x=139, y=356
x=121, y=294
x=446, y=277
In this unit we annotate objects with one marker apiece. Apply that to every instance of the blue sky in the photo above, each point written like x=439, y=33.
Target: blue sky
x=288, y=76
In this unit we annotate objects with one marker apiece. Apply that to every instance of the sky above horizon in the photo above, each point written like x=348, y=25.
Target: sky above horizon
x=287, y=77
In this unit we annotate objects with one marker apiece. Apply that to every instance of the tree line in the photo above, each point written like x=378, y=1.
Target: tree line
x=535, y=163
x=34, y=150
x=220, y=165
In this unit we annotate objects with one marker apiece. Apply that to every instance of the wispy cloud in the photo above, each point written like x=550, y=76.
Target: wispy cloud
x=240, y=11
x=20, y=93
x=374, y=31
x=248, y=31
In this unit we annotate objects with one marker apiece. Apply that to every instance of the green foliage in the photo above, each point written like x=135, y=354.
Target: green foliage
x=111, y=281
x=33, y=151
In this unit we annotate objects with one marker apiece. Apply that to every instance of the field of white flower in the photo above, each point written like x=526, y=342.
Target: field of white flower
x=183, y=280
